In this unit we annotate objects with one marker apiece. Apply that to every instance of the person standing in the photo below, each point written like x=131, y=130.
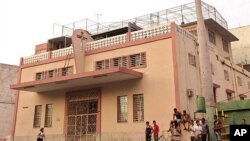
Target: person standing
x=148, y=131
x=41, y=135
x=155, y=131
x=205, y=129
x=198, y=131
x=192, y=130
x=217, y=128
x=176, y=132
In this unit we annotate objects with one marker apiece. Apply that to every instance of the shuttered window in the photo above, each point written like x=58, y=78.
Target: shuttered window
x=138, y=108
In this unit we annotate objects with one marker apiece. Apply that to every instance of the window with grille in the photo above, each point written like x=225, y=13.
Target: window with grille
x=225, y=45
x=122, y=109
x=226, y=75
x=239, y=80
x=67, y=71
x=138, y=108
x=191, y=59
x=211, y=36
x=103, y=64
x=37, y=116
x=48, y=115
x=41, y=75
x=125, y=61
x=117, y=62
x=52, y=73
x=130, y=61
x=137, y=60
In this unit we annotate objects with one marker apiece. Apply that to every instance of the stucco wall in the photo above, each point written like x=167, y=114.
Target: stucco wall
x=8, y=75
x=157, y=85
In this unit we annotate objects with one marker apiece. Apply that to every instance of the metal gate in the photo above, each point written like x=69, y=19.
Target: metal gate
x=82, y=115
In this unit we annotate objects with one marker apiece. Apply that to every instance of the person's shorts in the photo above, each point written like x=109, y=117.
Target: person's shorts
x=218, y=135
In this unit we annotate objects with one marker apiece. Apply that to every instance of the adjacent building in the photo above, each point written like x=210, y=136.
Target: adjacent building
x=241, y=48
x=103, y=84
x=8, y=75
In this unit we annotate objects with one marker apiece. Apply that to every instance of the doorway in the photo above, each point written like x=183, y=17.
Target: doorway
x=82, y=115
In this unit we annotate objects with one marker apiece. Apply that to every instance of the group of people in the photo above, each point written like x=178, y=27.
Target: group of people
x=199, y=129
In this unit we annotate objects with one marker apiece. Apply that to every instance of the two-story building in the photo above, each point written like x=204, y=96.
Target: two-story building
x=105, y=83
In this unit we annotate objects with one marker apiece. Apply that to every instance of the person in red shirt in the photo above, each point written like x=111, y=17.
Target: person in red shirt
x=155, y=131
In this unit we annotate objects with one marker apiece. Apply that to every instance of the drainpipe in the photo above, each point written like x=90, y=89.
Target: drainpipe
x=205, y=66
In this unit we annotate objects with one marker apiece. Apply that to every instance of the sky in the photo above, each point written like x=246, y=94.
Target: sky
x=26, y=23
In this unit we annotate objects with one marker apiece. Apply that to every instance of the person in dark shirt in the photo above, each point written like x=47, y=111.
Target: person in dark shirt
x=177, y=116
x=148, y=131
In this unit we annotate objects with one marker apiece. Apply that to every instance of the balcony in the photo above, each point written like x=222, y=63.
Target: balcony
x=79, y=80
x=102, y=43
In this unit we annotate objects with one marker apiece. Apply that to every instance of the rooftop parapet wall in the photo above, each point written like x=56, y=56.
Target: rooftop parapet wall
x=102, y=43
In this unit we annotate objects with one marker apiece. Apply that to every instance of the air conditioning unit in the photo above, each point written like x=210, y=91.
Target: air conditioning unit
x=190, y=92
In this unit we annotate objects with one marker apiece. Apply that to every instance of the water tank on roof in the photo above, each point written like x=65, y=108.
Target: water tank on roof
x=200, y=103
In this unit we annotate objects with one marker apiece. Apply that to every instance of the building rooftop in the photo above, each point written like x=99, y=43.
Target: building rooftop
x=182, y=14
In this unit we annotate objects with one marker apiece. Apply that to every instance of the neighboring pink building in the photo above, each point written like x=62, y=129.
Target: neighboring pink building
x=104, y=84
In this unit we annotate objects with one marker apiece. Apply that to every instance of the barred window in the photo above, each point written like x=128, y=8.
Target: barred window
x=137, y=60
x=125, y=61
x=67, y=71
x=103, y=64
x=52, y=73
x=117, y=62
x=41, y=75
x=226, y=75
x=138, y=108
x=211, y=36
x=37, y=116
x=122, y=109
x=225, y=45
x=48, y=115
x=191, y=59
x=130, y=61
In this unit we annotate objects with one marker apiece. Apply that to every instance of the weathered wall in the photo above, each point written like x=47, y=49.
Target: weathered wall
x=241, y=48
x=8, y=75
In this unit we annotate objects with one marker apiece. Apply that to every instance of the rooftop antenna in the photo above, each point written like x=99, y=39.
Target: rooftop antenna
x=98, y=15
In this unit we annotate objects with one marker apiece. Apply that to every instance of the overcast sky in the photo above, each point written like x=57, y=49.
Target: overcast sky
x=25, y=23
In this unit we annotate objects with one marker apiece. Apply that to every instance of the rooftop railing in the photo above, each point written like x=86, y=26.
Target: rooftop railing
x=181, y=14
